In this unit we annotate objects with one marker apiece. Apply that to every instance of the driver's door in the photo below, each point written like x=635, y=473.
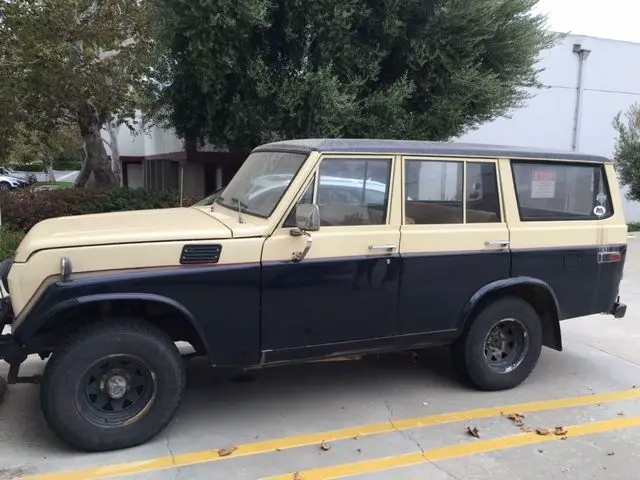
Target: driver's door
x=344, y=293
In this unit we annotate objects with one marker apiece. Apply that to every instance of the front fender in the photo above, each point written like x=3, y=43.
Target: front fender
x=40, y=317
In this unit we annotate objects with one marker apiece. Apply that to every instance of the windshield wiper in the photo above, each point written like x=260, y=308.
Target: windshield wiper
x=241, y=205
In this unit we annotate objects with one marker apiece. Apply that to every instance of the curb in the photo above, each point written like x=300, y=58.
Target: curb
x=3, y=388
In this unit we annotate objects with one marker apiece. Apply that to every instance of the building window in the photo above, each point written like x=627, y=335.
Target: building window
x=556, y=191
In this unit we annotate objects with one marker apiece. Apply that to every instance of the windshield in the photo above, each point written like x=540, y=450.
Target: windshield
x=261, y=182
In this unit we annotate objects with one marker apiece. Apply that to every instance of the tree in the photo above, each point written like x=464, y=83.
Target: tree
x=627, y=149
x=261, y=70
x=80, y=63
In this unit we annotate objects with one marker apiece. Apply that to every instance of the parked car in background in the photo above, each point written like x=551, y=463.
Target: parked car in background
x=26, y=179
x=10, y=183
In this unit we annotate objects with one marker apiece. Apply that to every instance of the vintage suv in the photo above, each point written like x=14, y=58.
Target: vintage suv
x=315, y=249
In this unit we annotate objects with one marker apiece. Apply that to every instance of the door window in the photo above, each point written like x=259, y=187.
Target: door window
x=436, y=192
x=353, y=191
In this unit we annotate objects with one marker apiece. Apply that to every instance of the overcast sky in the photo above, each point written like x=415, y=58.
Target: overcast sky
x=615, y=19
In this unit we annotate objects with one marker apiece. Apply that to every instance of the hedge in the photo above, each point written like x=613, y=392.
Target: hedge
x=29, y=167
x=21, y=210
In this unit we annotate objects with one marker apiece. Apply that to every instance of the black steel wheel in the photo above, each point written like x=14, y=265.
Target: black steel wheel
x=112, y=385
x=116, y=390
x=500, y=346
x=506, y=345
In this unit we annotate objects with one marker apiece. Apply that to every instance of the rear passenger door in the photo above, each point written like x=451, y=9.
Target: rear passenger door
x=454, y=239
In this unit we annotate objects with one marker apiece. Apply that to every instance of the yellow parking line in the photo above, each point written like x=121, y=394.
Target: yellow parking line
x=256, y=448
x=455, y=451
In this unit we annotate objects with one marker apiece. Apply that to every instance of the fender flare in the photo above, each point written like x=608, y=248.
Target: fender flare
x=111, y=297
x=553, y=335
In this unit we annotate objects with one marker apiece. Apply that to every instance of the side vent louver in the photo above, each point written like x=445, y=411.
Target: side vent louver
x=194, y=254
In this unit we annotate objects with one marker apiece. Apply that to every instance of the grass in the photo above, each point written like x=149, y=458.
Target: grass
x=56, y=185
x=634, y=227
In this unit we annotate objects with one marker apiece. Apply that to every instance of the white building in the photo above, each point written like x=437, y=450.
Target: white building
x=574, y=111
x=587, y=82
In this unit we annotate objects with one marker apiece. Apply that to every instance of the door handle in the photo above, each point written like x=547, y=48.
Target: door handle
x=498, y=243
x=388, y=248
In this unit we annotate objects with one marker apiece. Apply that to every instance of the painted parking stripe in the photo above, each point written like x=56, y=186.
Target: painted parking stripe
x=455, y=451
x=268, y=446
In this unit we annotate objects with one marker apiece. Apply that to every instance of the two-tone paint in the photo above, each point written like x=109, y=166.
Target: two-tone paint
x=360, y=288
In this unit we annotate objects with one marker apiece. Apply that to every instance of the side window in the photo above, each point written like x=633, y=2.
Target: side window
x=556, y=191
x=353, y=191
x=483, y=200
x=433, y=192
x=306, y=198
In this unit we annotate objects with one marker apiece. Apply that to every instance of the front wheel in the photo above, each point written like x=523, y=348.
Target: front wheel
x=501, y=346
x=112, y=385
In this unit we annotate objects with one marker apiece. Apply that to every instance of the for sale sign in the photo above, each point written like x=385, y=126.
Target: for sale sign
x=543, y=184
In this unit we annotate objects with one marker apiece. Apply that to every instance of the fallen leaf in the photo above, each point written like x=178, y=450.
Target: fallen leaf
x=611, y=454
x=297, y=476
x=540, y=451
x=563, y=438
x=359, y=450
x=473, y=431
x=325, y=446
x=226, y=451
x=621, y=414
x=357, y=437
x=525, y=429
x=542, y=431
x=516, y=418
x=560, y=431
x=278, y=449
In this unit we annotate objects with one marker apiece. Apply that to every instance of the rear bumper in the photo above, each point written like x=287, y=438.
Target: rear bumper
x=618, y=310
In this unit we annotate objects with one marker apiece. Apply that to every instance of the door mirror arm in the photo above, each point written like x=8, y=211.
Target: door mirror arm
x=307, y=220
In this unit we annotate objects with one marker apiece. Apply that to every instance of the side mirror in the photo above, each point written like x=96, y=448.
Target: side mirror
x=308, y=217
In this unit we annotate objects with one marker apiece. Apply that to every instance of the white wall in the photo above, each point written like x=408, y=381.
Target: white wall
x=610, y=84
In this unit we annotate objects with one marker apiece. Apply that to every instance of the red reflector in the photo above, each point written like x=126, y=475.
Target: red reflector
x=615, y=257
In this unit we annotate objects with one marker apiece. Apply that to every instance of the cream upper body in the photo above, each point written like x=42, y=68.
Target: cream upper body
x=141, y=226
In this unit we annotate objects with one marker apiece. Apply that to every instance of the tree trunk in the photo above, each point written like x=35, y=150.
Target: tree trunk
x=116, y=164
x=96, y=161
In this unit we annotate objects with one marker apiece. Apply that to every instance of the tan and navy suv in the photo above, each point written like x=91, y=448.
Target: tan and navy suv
x=315, y=249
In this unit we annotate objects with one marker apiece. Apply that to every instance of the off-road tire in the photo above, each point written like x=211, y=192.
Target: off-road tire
x=62, y=383
x=468, y=352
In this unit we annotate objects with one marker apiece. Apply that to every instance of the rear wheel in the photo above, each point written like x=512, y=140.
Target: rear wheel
x=112, y=385
x=5, y=186
x=501, y=346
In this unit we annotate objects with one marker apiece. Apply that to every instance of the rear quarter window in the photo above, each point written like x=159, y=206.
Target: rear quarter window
x=554, y=191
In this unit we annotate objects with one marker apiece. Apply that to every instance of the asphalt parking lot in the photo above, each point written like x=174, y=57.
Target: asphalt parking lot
x=380, y=418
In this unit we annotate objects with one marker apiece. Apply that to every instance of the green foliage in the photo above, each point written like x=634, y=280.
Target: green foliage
x=627, y=150
x=28, y=167
x=71, y=64
x=9, y=242
x=633, y=227
x=23, y=209
x=244, y=73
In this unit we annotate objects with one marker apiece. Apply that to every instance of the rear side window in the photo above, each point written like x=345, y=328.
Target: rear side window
x=557, y=191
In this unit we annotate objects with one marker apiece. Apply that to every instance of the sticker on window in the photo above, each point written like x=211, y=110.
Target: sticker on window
x=543, y=184
x=599, y=211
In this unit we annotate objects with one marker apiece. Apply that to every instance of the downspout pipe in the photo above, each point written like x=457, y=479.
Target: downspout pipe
x=583, y=54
